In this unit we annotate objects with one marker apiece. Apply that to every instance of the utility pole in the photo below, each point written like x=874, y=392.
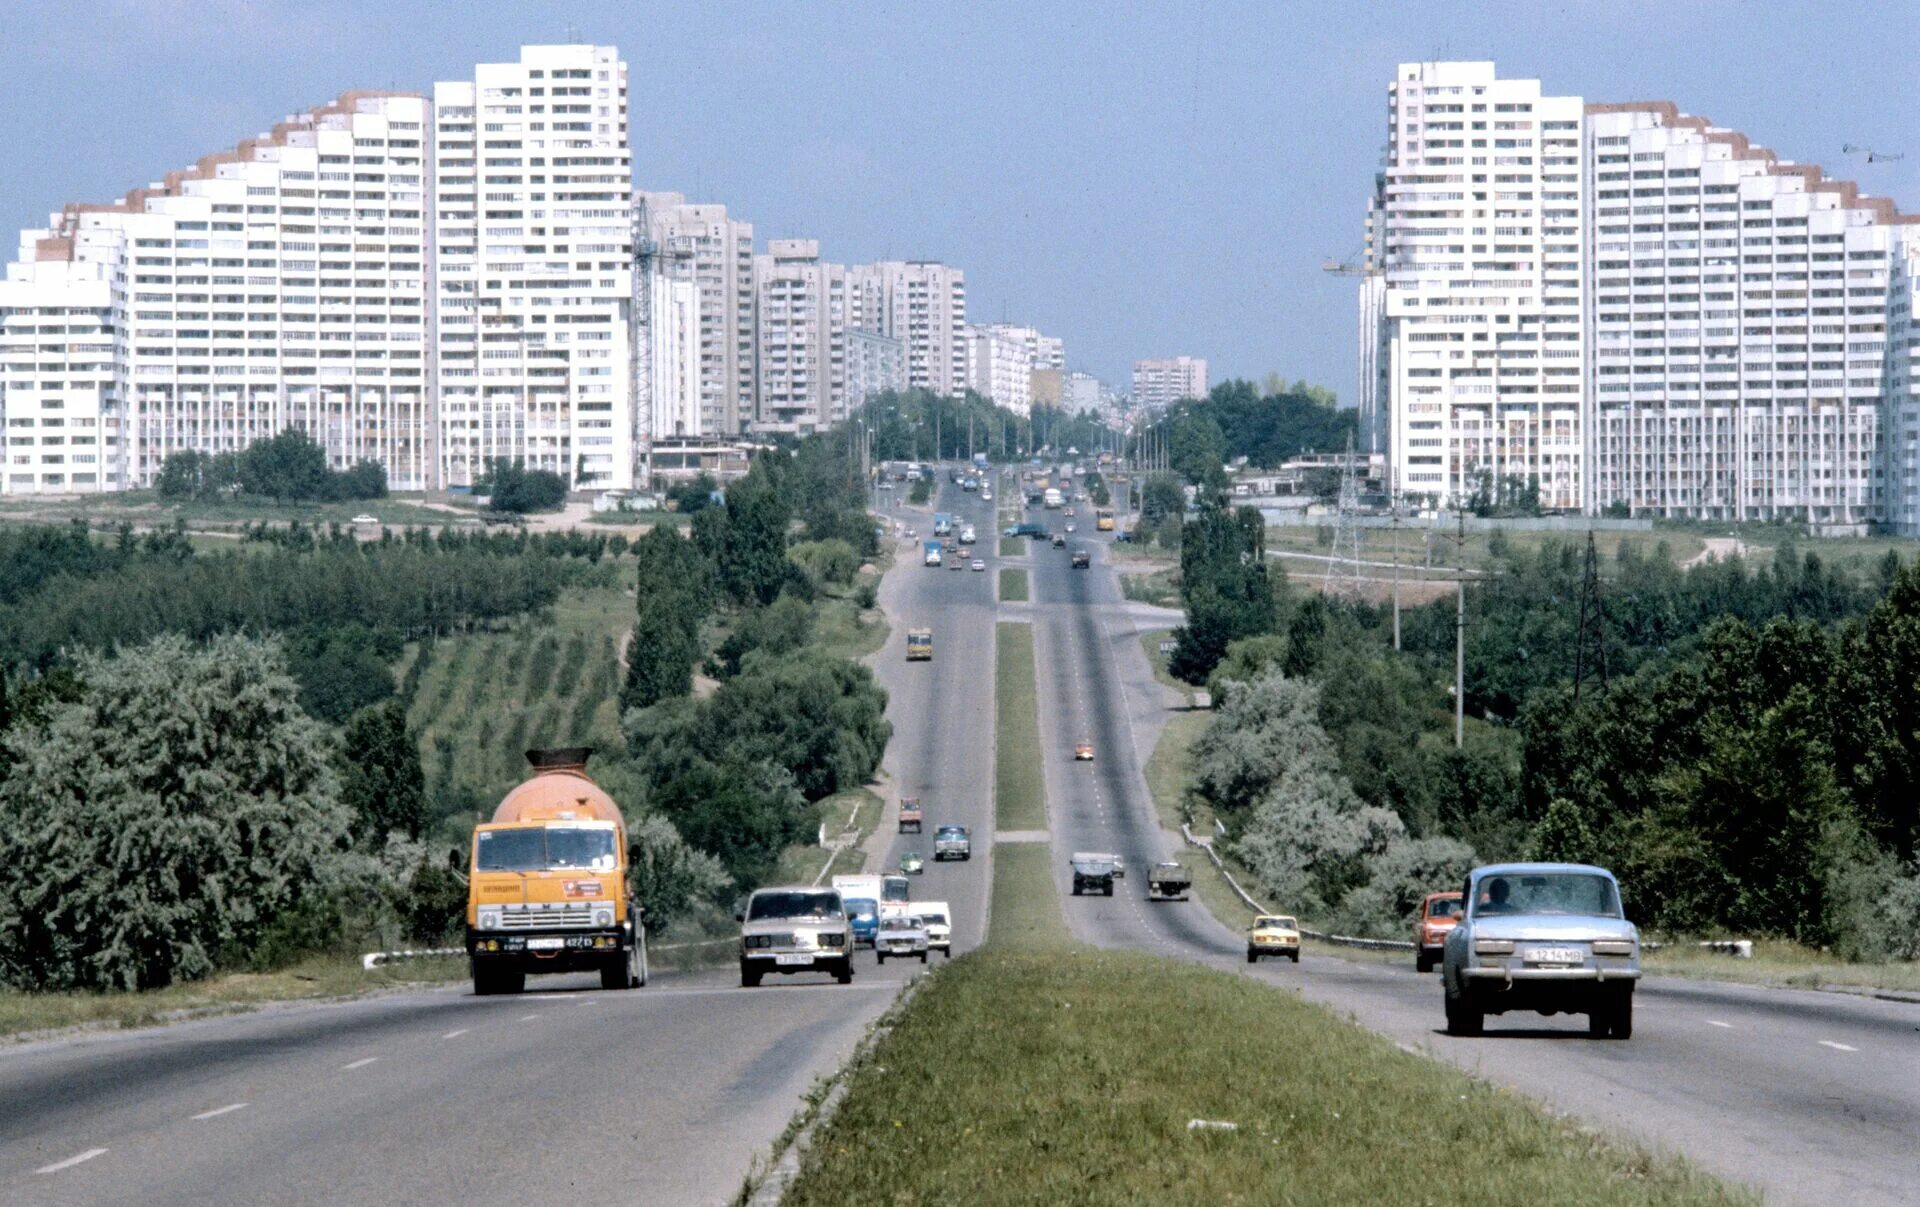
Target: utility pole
x=1396, y=575
x=1460, y=635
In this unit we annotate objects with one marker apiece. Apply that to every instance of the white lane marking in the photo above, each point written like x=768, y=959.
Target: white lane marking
x=218, y=1111
x=1714, y=1022
x=70, y=1162
x=1827, y=1043
x=362, y=1063
x=527, y=1018
x=456, y=1034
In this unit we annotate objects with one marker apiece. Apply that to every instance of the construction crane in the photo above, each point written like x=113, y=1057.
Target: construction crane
x=1354, y=265
x=647, y=254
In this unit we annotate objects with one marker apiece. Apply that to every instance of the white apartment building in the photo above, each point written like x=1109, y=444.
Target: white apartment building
x=280, y=284
x=1084, y=393
x=533, y=267
x=699, y=242
x=800, y=344
x=922, y=303
x=1677, y=322
x=1738, y=313
x=1163, y=381
x=676, y=365
x=1479, y=246
x=875, y=364
x=1000, y=365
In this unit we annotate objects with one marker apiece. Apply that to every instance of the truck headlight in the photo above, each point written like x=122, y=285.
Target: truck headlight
x=1613, y=947
x=1493, y=947
x=603, y=917
x=489, y=919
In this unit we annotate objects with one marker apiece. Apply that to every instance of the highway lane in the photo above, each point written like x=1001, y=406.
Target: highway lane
x=1813, y=1097
x=942, y=747
x=666, y=1093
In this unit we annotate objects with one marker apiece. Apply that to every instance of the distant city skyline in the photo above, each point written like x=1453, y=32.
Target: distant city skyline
x=1089, y=182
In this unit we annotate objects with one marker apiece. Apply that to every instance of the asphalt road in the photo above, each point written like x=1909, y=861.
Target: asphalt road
x=1813, y=1097
x=665, y=1094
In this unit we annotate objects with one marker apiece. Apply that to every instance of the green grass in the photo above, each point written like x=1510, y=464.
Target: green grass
x=1069, y=1075
x=487, y=696
x=1013, y=585
x=147, y=509
x=1413, y=542
x=1019, y=788
x=1026, y=909
x=1013, y=546
x=1166, y=773
x=800, y=863
x=332, y=976
x=838, y=629
x=1150, y=646
x=1158, y=587
x=1777, y=962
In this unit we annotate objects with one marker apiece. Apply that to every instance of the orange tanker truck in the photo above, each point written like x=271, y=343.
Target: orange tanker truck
x=547, y=885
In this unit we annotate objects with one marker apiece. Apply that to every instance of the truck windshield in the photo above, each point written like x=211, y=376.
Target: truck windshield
x=544, y=848
x=893, y=888
x=794, y=905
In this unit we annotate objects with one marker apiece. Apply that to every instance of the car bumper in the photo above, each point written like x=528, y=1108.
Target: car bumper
x=796, y=961
x=1550, y=976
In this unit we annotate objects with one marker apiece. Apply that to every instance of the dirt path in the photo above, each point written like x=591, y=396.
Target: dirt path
x=1718, y=548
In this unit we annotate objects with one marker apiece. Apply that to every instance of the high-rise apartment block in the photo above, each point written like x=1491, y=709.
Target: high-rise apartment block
x=700, y=243
x=799, y=307
x=922, y=303
x=1163, y=381
x=1628, y=306
x=533, y=267
x=278, y=284
x=1000, y=365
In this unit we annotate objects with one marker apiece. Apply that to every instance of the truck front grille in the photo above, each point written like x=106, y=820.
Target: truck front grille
x=543, y=915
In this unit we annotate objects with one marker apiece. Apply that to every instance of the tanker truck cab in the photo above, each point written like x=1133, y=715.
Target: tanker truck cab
x=547, y=883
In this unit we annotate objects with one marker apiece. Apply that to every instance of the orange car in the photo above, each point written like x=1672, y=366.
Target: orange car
x=1438, y=913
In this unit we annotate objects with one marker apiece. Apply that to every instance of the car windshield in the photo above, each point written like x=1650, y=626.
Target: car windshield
x=1577, y=893
x=897, y=923
x=1446, y=907
x=545, y=848
x=952, y=832
x=1277, y=922
x=796, y=904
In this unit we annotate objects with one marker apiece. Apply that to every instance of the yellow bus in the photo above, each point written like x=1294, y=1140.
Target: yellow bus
x=1104, y=521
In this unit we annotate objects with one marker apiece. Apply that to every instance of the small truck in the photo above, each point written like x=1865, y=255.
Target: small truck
x=1168, y=882
x=910, y=815
x=1095, y=872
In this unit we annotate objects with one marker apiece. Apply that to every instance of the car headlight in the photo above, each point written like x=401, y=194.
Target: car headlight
x=1493, y=947
x=1613, y=947
x=757, y=941
x=834, y=940
x=489, y=919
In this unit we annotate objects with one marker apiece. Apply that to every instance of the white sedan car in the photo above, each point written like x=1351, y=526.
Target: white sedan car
x=978, y=564
x=903, y=937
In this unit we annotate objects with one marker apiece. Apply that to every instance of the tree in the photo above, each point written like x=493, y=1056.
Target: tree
x=1562, y=835
x=341, y=669
x=744, y=814
x=168, y=815
x=512, y=487
x=380, y=776
x=753, y=564
x=668, y=876
x=1223, y=582
x=182, y=475
x=287, y=466
x=692, y=495
x=1161, y=500
x=364, y=480
x=1197, y=450
x=660, y=658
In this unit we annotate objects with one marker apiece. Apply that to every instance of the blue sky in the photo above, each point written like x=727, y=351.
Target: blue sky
x=1141, y=179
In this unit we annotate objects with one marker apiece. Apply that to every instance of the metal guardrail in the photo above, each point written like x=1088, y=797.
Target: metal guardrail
x=375, y=959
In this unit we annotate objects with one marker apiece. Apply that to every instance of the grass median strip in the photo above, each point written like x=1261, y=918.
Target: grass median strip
x=1013, y=585
x=1076, y=1075
x=1026, y=909
x=1019, y=789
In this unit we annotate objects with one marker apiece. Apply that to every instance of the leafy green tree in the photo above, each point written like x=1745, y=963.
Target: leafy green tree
x=784, y=626
x=1223, y=582
x=1562, y=835
x=512, y=487
x=753, y=564
x=827, y=562
x=745, y=814
x=363, y=480
x=342, y=669
x=669, y=877
x=380, y=775
x=287, y=466
x=182, y=475
x=692, y=495
x=1197, y=450
x=921, y=491
x=660, y=658
x=175, y=809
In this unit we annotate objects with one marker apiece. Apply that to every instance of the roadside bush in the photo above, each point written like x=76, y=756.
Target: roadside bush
x=830, y=561
x=174, y=811
x=669, y=877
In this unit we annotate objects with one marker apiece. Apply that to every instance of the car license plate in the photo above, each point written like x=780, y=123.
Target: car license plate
x=553, y=944
x=792, y=959
x=1555, y=955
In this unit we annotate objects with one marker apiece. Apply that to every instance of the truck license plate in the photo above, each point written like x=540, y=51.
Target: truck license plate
x=553, y=944
x=1555, y=955
x=790, y=959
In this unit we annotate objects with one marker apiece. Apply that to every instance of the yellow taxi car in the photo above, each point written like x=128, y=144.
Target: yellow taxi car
x=1273, y=935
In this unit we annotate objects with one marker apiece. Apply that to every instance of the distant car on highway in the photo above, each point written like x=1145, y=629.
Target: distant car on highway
x=1081, y=559
x=902, y=937
x=1123, y=537
x=1438, y=914
x=952, y=842
x=957, y=563
x=912, y=864
x=1069, y=527
x=795, y=929
x=1548, y=937
x=1083, y=752
x=986, y=496
x=864, y=917
x=1059, y=541
x=1274, y=935
x=978, y=564
x=938, y=920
